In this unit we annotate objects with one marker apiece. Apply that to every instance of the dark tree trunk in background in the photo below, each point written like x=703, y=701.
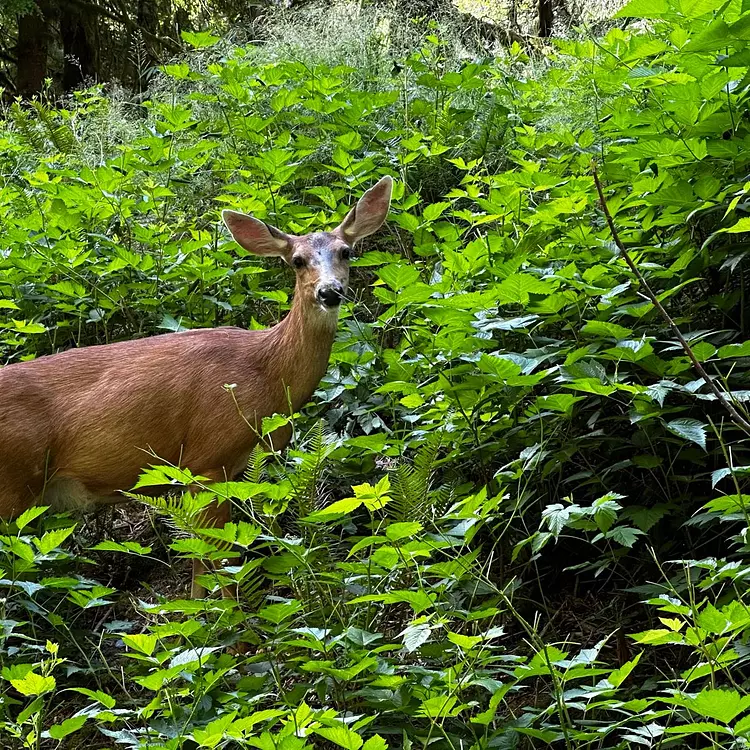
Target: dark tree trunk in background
x=546, y=18
x=513, y=16
x=31, y=50
x=79, y=50
x=145, y=55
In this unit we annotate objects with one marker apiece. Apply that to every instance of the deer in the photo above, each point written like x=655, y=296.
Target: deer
x=77, y=426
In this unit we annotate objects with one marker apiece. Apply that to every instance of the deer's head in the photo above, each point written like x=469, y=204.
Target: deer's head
x=320, y=259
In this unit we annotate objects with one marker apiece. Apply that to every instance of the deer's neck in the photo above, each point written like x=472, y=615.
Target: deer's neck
x=299, y=347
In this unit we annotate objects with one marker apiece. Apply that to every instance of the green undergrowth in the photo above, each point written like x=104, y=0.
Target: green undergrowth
x=513, y=515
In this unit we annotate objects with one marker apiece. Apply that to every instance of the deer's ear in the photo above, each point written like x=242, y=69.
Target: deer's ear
x=255, y=235
x=369, y=214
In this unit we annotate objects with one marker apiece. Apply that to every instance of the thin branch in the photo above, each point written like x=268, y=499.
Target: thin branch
x=737, y=418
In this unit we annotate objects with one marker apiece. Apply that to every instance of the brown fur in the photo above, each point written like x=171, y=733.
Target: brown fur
x=78, y=427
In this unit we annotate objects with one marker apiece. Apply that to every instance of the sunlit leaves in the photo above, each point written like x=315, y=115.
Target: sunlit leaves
x=517, y=289
x=644, y=9
x=371, y=497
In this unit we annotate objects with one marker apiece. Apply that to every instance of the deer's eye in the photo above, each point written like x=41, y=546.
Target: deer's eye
x=298, y=261
x=346, y=253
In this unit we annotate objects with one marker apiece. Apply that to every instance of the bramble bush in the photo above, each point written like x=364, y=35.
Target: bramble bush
x=514, y=514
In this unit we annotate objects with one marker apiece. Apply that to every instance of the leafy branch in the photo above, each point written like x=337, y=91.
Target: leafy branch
x=737, y=418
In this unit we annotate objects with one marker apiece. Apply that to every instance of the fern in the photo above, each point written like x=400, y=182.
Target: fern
x=27, y=129
x=412, y=495
x=184, y=513
x=306, y=478
x=256, y=465
x=252, y=589
x=59, y=134
x=39, y=129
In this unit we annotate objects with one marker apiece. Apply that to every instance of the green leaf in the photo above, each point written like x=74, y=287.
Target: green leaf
x=689, y=429
x=34, y=684
x=376, y=742
x=404, y=529
x=603, y=328
x=415, y=636
x=711, y=620
x=735, y=350
x=440, y=707
x=590, y=385
x=698, y=727
x=399, y=276
x=419, y=600
x=131, y=548
x=500, y=367
x=743, y=225
x=271, y=424
x=53, y=539
x=624, y=535
x=29, y=515
x=199, y=39
x=697, y=8
x=517, y=288
x=141, y=642
x=341, y=735
x=277, y=613
x=434, y=211
x=658, y=637
x=644, y=9
x=339, y=508
x=69, y=726
x=722, y=705
x=619, y=676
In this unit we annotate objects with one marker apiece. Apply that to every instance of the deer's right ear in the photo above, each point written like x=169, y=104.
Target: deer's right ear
x=255, y=235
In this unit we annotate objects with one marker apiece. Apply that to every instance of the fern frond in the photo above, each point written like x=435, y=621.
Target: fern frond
x=252, y=591
x=59, y=134
x=183, y=512
x=256, y=465
x=306, y=479
x=411, y=485
x=27, y=128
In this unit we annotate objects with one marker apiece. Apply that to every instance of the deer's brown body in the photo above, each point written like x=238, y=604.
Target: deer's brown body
x=79, y=426
x=168, y=395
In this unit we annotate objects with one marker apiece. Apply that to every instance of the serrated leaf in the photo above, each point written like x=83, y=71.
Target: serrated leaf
x=415, y=636
x=689, y=429
x=434, y=211
x=199, y=39
x=518, y=286
x=624, y=535
x=341, y=736
x=499, y=367
x=605, y=328
x=722, y=705
x=735, y=350
x=69, y=726
x=34, y=684
x=619, y=676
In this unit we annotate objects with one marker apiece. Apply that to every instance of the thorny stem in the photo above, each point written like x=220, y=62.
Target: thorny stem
x=737, y=418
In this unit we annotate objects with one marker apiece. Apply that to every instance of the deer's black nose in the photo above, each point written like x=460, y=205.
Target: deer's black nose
x=331, y=295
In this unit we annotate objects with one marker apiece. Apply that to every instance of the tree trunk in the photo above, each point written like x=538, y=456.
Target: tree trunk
x=31, y=50
x=546, y=18
x=513, y=17
x=79, y=52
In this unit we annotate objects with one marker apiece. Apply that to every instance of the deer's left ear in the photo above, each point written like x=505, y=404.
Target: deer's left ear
x=369, y=214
